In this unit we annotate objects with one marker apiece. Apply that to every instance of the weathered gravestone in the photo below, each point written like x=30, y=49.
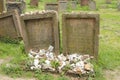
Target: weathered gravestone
x=72, y=4
x=10, y=25
x=84, y=2
x=40, y=30
x=108, y=1
x=14, y=5
x=62, y=5
x=80, y=33
x=92, y=5
x=51, y=6
x=34, y=3
x=2, y=5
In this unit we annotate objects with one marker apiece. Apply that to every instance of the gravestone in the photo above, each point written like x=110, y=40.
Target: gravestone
x=34, y=3
x=73, y=4
x=92, y=5
x=62, y=5
x=23, y=5
x=80, y=33
x=10, y=25
x=2, y=6
x=51, y=6
x=40, y=30
x=14, y=5
x=118, y=6
x=84, y=2
x=108, y=1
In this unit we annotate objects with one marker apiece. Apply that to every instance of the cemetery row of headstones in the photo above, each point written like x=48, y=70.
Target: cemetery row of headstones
x=40, y=29
x=63, y=5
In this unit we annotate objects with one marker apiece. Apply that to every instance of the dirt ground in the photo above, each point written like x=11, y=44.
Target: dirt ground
x=112, y=74
x=4, y=77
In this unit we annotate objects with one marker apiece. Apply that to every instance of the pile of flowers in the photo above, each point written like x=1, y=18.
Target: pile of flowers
x=73, y=63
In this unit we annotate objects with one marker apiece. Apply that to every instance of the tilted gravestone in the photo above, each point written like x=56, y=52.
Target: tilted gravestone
x=10, y=25
x=51, y=6
x=62, y=5
x=14, y=5
x=84, y=2
x=2, y=6
x=108, y=1
x=80, y=33
x=34, y=3
x=40, y=30
x=92, y=5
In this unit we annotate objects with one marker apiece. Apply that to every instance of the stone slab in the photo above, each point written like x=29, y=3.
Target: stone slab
x=10, y=25
x=14, y=6
x=41, y=30
x=63, y=5
x=72, y=4
x=84, y=2
x=34, y=3
x=51, y=6
x=80, y=33
x=92, y=5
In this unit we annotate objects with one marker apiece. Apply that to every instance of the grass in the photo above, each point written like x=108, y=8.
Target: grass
x=109, y=45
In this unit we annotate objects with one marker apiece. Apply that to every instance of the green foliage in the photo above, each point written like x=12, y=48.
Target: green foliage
x=42, y=76
x=12, y=70
x=62, y=78
x=109, y=54
x=9, y=40
x=66, y=68
x=55, y=64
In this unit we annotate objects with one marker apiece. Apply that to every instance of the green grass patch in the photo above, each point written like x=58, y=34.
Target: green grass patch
x=109, y=44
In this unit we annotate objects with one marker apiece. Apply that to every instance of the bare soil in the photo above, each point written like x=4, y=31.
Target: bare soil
x=112, y=74
x=4, y=77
